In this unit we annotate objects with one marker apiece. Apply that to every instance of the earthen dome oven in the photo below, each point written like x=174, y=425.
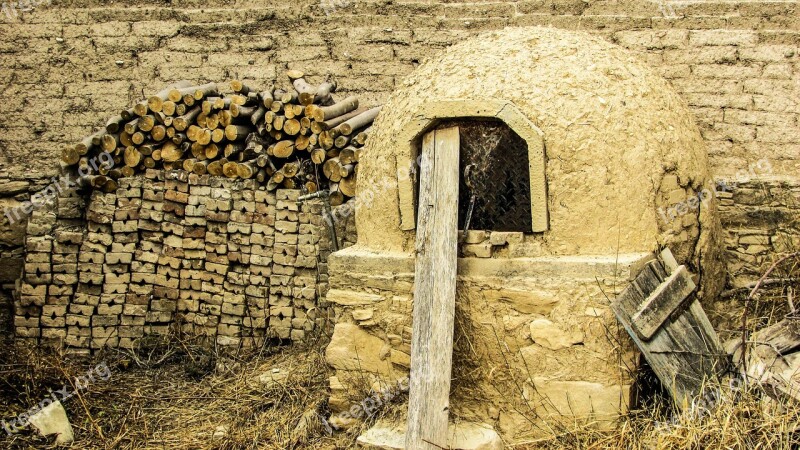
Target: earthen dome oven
x=581, y=151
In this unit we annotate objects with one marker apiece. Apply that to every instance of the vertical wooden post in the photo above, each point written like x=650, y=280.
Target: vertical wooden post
x=434, y=292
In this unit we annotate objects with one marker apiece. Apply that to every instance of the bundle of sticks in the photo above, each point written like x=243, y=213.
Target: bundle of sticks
x=295, y=138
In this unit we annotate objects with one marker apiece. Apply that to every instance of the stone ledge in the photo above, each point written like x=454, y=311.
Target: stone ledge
x=358, y=259
x=462, y=436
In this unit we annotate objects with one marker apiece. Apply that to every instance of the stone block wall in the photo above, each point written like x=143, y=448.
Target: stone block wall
x=12, y=237
x=761, y=218
x=174, y=253
x=535, y=338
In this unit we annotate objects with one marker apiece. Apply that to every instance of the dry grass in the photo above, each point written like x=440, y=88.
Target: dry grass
x=176, y=395
x=179, y=401
x=175, y=405
x=738, y=420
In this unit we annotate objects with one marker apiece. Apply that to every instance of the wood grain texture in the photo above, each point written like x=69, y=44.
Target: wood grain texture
x=667, y=298
x=771, y=359
x=685, y=352
x=434, y=293
x=783, y=336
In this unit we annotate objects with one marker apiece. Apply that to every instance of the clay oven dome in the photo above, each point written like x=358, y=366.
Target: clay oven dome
x=603, y=161
x=618, y=141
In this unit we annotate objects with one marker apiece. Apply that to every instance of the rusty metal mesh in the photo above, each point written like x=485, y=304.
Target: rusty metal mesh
x=494, y=168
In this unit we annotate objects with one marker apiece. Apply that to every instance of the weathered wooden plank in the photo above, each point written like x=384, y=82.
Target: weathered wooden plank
x=783, y=336
x=670, y=263
x=703, y=360
x=684, y=351
x=434, y=292
x=648, y=279
x=658, y=352
x=662, y=302
x=691, y=333
x=772, y=360
x=706, y=330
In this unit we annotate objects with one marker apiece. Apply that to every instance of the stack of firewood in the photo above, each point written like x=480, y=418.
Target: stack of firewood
x=299, y=138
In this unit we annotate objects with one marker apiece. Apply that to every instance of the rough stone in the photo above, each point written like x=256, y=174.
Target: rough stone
x=352, y=298
x=273, y=378
x=353, y=349
x=483, y=250
x=12, y=231
x=220, y=432
x=475, y=236
x=362, y=314
x=9, y=188
x=53, y=420
x=548, y=335
x=524, y=301
x=577, y=399
x=463, y=436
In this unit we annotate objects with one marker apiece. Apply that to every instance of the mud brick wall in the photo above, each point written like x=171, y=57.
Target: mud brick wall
x=761, y=218
x=174, y=253
x=70, y=65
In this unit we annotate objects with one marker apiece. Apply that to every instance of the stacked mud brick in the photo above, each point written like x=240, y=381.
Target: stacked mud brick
x=173, y=252
x=281, y=309
x=212, y=210
x=104, y=273
x=38, y=277
x=260, y=212
x=50, y=273
x=150, y=217
x=310, y=231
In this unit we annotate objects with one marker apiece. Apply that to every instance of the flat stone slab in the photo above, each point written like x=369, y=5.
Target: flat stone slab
x=8, y=188
x=463, y=436
x=53, y=420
